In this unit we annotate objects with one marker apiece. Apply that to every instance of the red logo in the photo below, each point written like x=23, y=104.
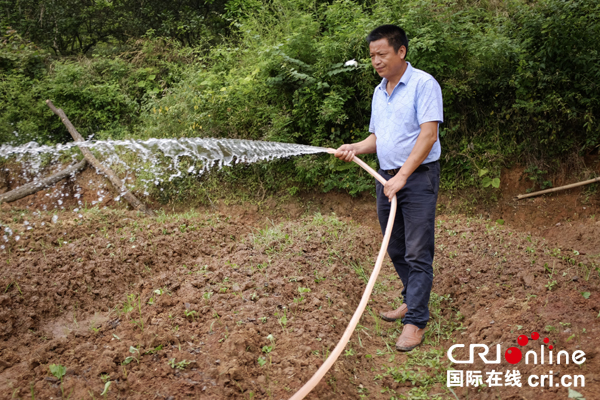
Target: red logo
x=513, y=354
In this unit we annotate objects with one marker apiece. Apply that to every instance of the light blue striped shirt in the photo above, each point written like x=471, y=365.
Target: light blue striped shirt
x=396, y=119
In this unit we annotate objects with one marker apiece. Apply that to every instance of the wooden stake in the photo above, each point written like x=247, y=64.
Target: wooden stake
x=36, y=186
x=556, y=189
x=114, y=179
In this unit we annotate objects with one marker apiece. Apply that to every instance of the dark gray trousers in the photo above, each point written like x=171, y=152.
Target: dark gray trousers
x=412, y=245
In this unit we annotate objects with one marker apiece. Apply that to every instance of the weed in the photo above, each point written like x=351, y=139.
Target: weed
x=318, y=278
x=93, y=327
x=133, y=302
x=181, y=365
x=550, y=285
x=154, y=350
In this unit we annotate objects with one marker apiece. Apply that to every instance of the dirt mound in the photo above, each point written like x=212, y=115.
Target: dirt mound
x=213, y=306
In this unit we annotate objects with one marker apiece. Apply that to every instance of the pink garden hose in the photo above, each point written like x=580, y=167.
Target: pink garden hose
x=316, y=378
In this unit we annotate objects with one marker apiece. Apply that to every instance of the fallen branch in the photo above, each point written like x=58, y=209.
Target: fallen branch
x=114, y=179
x=556, y=189
x=36, y=186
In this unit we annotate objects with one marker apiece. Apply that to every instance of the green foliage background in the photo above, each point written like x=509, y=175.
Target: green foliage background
x=519, y=79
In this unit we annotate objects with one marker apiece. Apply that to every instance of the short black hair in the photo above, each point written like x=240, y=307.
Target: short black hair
x=395, y=36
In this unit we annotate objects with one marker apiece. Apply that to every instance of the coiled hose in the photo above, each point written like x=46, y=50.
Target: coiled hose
x=316, y=378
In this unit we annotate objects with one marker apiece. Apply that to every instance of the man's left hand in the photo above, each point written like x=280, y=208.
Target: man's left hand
x=393, y=186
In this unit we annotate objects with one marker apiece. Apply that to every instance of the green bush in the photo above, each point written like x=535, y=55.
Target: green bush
x=102, y=95
x=519, y=81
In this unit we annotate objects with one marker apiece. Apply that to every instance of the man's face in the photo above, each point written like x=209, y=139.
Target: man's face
x=385, y=60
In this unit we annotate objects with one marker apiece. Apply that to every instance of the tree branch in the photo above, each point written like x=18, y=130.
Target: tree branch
x=114, y=179
x=36, y=186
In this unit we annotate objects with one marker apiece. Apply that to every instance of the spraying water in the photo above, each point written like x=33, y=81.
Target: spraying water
x=154, y=161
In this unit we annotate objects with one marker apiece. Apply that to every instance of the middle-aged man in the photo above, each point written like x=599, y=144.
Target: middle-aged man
x=405, y=113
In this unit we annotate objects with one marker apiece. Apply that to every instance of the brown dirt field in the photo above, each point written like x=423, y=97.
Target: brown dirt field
x=212, y=285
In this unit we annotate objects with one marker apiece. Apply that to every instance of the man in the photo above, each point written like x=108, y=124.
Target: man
x=406, y=111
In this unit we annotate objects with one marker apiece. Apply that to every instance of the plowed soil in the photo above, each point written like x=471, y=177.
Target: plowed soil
x=215, y=306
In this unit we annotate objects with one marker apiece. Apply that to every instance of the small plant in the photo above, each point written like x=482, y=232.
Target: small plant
x=318, y=278
x=156, y=292
x=190, y=313
x=263, y=319
x=59, y=372
x=93, y=327
x=181, y=365
x=207, y=296
x=134, y=301
x=262, y=361
x=303, y=290
x=105, y=391
x=550, y=285
x=267, y=349
x=283, y=319
x=134, y=351
x=254, y=297
x=105, y=378
x=154, y=350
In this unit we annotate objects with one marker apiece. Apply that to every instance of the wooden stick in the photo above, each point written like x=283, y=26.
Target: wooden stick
x=556, y=189
x=36, y=186
x=114, y=179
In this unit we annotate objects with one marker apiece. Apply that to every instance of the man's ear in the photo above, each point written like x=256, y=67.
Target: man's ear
x=402, y=52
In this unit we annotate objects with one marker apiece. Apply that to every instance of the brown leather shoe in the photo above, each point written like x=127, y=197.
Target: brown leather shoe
x=395, y=315
x=410, y=338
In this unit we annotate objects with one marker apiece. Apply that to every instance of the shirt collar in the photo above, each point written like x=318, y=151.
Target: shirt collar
x=405, y=77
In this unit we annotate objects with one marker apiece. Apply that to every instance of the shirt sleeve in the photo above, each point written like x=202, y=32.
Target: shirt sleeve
x=372, y=123
x=429, y=102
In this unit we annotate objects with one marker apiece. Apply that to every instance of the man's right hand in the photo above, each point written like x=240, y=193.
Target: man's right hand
x=346, y=152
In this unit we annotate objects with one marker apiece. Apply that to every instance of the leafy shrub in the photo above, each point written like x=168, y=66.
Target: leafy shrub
x=519, y=81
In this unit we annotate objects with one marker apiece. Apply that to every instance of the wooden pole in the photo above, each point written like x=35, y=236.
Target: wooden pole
x=114, y=179
x=36, y=186
x=556, y=189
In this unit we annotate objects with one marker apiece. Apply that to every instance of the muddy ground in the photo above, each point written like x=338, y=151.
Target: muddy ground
x=247, y=301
